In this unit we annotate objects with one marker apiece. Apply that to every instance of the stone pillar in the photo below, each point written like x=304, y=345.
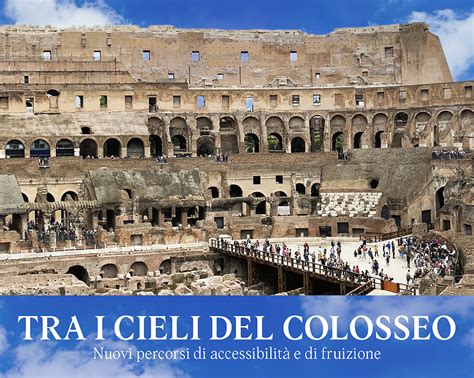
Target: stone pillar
x=216, y=133
x=123, y=151
x=192, y=124
x=263, y=136
x=184, y=216
x=161, y=217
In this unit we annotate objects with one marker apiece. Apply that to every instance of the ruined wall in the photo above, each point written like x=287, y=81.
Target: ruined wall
x=407, y=54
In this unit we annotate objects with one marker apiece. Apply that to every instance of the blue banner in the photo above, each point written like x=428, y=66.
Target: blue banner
x=236, y=337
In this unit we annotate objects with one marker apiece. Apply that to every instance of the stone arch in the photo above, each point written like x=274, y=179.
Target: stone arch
x=444, y=120
x=337, y=142
x=80, y=273
x=88, y=148
x=251, y=124
x=53, y=96
x=297, y=123
x=64, y=147
x=380, y=122
x=275, y=142
x=156, y=145
x=15, y=149
x=337, y=121
x=165, y=267
x=439, y=200
x=378, y=139
x=109, y=271
x=401, y=120
x=315, y=189
x=112, y=147
x=40, y=148
x=214, y=191
x=274, y=122
x=357, y=143
x=204, y=124
x=156, y=126
x=261, y=206
x=135, y=148
x=180, y=144
x=252, y=143
x=227, y=124
x=298, y=145
x=467, y=116
x=300, y=188
x=235, y=191
x=139, y=269
x=69, y=196
x=280, y=194
x=359, y=122
x=422, y=116
x=316, y=127
x=206, y=146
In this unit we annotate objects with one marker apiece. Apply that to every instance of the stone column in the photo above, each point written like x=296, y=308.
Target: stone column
x=184, y=216
x=263, y=135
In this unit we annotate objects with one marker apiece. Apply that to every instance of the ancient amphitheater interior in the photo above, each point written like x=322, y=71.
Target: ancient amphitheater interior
x=150, y=161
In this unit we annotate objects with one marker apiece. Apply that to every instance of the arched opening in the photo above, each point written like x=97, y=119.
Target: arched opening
x=279, y=194
x=15, y=149
x=88, y=148
x=275, y=142
x=252, y=143
x=315, y=190
x=317, y=133
x=204, y=125
x=298, y=145
x=112, y=148
x=378, y=139
x=179, y=144
x=25, y=197
x=338, y=142
x=156, y=146
x=80, y=273
x=401, y=120
x=373, y=184
x=40, y=148
x=205, y=146
x=69, y=196
x=64, y=148
x=135, y=148
x=140, y=269
x=261, y=207
x=226, y=124
x=296, y=123
x=214, y=192
x=439, y=199
x=109, y=271
x=358, y=139
x=385, y=213
x=165, y=267
x=300, y=188
x=235, y=191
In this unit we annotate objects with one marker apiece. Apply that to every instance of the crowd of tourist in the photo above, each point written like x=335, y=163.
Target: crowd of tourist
x=43, y=162
x=62, y=232
x=448, y=154
x=223, y=158
x=424, y=257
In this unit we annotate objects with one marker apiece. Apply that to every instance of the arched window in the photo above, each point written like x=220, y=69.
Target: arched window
x=338, y=142
x=300, y=188
x=235, y=191
x=15, y=149
x=275, y=142
x=40, y=148
x=135, y=148
x=88, y=148
x=156, y=146
x=358, y=139
x=64, y=148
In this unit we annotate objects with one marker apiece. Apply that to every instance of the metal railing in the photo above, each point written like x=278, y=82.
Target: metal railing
x=374, y=238
x=314, y=268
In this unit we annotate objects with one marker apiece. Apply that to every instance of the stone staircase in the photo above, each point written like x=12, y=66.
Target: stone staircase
x=349, y=204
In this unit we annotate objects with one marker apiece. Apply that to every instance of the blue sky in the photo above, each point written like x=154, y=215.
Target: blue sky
x=52, y=359
x=452, y=20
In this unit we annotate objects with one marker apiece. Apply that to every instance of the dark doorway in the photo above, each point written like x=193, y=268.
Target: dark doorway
x=112, y=147
x=80, y=273
x=156, y=146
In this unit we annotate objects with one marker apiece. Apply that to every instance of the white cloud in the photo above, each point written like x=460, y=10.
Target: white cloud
x=61, y=13
x=455, y=31
x=3, y=340
x=36, y=360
